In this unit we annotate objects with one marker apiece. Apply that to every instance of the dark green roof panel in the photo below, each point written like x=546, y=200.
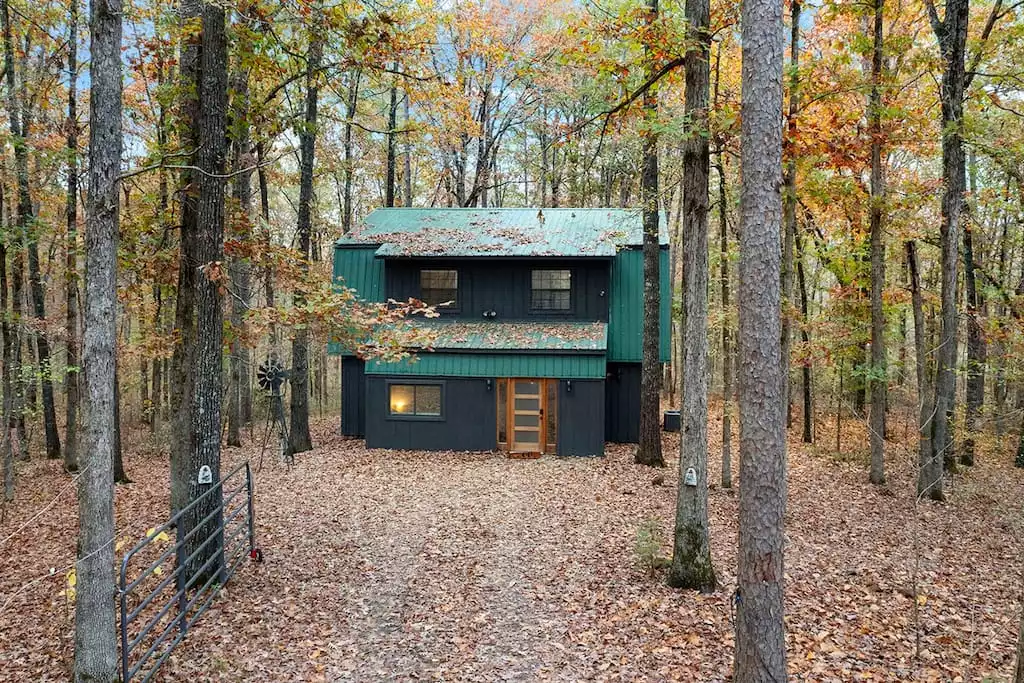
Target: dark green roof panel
x=556, y=366
x=626, y=307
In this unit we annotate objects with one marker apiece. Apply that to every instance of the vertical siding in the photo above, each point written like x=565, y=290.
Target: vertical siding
x=503, y=286
x=470, y=421
x=360, y=270
x=353, y=397
x=626, y=307
x=581, y=417
x=622, y=403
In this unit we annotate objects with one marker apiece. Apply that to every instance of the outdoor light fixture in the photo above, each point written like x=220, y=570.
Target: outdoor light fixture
x=568, y=386
x=490, y=384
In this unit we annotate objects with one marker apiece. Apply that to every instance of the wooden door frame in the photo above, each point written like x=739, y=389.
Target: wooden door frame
x=542, y=396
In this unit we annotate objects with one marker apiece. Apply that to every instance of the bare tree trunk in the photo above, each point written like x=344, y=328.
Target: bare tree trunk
x=95, y=621
x=976, y=351
x=723, y=275
x=298, y=434
x=391, y=169
x=649, y=450
x=72, y=373
x=789, y=205
x=182, y=375
x=691, y=547
x=929, y=467
x=350, y=113
x=952, y=37
x=878, y=374
x=805, y=336
x=239, y=393
x=407, y=155
x=120, y=476
x=205, y=405
x=760, y=630
x=7, y=438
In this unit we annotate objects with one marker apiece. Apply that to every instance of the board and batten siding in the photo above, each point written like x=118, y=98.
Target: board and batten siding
x=622, y=403
x=469, y=420
x=581, y=417
x=504, y=285
x=353, y=397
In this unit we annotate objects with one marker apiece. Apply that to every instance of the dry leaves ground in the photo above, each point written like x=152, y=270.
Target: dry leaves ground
x=384, y=565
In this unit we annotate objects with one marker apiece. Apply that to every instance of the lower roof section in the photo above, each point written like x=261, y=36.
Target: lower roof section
x=547, y=365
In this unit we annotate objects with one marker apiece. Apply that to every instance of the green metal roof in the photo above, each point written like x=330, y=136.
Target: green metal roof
x=500, y=232
x=556, y=366
x=626, y=308
x=521, y=336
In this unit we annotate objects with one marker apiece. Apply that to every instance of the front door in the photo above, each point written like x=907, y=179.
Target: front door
x=527, y=416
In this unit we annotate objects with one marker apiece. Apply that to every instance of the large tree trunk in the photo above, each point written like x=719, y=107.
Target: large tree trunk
x=760, y=630
x=351, y=107
x=392, y=157
x=649, y=449
x=23, y=213
x=7, y=437
x=182, y=362
x=952, y=37
x=72, y=374
x=95, y=621
x=298, y=434
x=205, y=404
x=407, y=155
x=691, y=548
x=878, y=374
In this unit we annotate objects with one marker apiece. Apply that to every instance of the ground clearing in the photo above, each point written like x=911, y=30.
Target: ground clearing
x=472, y=567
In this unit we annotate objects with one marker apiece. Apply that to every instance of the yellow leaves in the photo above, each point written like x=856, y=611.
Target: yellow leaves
x=161, y=537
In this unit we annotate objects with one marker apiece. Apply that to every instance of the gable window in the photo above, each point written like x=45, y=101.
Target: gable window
x=550, y=290
x=440, y=286
x=415, y=400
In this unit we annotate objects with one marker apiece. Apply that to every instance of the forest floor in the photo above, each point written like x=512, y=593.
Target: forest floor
x=384, y=565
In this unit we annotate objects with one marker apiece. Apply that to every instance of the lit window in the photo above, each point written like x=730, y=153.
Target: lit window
x=415, y=400
x=550, y=290
x=439, y=287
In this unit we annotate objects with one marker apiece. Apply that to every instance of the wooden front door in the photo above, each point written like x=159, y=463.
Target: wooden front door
x=527, y=428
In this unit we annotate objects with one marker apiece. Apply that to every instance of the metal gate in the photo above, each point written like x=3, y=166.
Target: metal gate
x=159, y=599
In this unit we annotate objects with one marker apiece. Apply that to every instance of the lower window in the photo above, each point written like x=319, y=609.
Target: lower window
x=414, y=400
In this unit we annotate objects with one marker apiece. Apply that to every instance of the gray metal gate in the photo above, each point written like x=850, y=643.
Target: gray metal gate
x=159, y=599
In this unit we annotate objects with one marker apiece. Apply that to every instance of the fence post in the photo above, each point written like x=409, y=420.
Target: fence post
x=252, y=523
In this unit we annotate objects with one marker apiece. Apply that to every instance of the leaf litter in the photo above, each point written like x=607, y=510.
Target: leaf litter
x=408, y=565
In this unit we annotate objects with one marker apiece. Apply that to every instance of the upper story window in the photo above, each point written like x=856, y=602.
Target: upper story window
x=550, y=290
x=439, y=286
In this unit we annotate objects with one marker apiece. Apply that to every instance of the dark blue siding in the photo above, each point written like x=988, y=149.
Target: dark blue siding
x=353, y=396
x=503, y=285
x=469, y=420
x=622, y=403
x=581, y=417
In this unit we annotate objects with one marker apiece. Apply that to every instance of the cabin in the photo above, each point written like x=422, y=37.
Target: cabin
x=538, y=349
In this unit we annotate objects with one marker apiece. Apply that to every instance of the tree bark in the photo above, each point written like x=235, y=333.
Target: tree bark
x=205, y=404
x=298, y=433
x=649, y=450
x=391, y=169
x=691, y=548
x=407, y=155
x=351, y=107
x=95, y=621
x=72, y=373
x=182, y=362
x=805, y=337
x=760, y=630
x=878, y=373
x=951, y=33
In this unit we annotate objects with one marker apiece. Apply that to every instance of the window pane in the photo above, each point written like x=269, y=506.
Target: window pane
x=439, y=286
x=402, y=399
x=428, y=399
x=527, y=421
x=550, y=289
x=527, y=438
x=527, y=404
x=552, y=414
x=527, y=388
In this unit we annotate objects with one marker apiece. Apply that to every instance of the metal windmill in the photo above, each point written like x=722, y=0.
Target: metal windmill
x=271, y=376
